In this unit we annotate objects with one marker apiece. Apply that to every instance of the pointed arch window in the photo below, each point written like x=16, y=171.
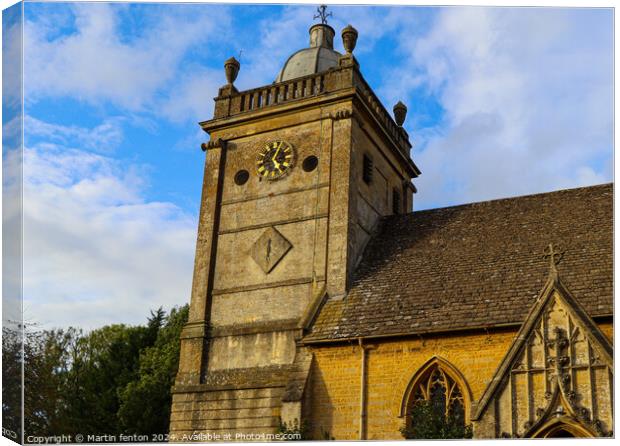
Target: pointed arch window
x=441, y=386
x=442, y=392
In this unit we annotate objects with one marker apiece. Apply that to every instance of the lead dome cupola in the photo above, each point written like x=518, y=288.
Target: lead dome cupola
x=319, y=57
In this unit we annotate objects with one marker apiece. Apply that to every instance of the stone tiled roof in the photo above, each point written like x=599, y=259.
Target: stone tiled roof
x=476, y=265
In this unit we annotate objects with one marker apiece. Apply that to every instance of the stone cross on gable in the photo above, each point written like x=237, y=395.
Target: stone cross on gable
x=555, y=257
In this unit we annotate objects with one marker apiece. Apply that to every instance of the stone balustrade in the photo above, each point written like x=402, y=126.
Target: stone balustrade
x=385, y=118
x=231, y=102
x=278, y=93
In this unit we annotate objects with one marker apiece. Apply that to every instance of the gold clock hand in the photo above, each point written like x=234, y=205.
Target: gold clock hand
x=273, y=158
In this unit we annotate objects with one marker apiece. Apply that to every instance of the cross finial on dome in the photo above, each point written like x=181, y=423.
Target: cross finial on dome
x=322, y=14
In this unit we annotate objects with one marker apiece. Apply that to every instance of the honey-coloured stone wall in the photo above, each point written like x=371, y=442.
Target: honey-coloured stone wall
x=391, y=365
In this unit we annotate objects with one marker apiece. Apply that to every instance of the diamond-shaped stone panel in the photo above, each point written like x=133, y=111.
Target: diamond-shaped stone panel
x=269, y=249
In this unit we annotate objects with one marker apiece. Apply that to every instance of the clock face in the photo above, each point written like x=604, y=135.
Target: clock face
x=275, y=160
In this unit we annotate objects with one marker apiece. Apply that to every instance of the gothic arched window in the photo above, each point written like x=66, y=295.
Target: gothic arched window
x=442, y=389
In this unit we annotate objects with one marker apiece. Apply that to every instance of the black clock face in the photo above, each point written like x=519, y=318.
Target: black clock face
x=275, y=160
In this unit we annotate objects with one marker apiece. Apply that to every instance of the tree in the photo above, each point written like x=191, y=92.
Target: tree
x=155, y=322
x=112, y=380
x=146, y=401
x=103, y=362
x=11, y=380
x=46, y=362
x=429, y=421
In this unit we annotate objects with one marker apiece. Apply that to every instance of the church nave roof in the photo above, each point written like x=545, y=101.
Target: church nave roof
x=476, y=265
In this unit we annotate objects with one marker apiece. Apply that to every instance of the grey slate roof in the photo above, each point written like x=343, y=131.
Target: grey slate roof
x=476, y=265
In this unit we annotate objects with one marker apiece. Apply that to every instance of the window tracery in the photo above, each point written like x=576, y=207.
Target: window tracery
x=443, y=392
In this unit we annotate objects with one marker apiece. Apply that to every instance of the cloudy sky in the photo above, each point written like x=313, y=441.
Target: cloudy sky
x=502, y=102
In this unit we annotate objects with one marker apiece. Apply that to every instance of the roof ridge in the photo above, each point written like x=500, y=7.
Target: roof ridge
x=494, y=200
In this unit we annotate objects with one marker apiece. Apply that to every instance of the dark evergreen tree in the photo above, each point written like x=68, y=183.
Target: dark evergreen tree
x=429, y=421
x=146, y=401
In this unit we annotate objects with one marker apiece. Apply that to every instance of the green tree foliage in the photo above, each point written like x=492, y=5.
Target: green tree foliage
x=158, y=366
x=428, y=421
x=12, y=380
x=106, y=360
x=46, y=363
x=113, y=380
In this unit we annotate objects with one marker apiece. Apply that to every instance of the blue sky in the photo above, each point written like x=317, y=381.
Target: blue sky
x=502, y=102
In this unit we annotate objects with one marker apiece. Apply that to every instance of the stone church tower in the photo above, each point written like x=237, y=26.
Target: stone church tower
x=297, y=175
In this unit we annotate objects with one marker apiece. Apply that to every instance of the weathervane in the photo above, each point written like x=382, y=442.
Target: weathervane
x=322, y=15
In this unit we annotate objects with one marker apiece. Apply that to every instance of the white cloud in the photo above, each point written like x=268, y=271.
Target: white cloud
x=145, y=74
x=96, y=251
x=527, y=95
x=95, y=63
x=274, y=41
x=11, y=229
x=12, y=127
x=192, y=99
x=11, y=59
x=280, y=36
x=105, y=137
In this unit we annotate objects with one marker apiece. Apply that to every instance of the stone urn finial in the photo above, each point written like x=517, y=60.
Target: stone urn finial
x=349, y=38
x=231, y=68
x=400, y=113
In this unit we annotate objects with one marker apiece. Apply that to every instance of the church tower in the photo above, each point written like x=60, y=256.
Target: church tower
x=297, y=175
